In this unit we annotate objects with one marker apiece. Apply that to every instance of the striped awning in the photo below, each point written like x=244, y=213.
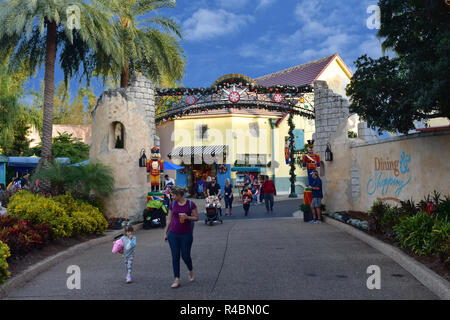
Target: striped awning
x=197, y=151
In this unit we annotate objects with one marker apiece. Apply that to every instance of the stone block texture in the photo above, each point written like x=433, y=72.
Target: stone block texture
x=134, y=108
x=331, y=110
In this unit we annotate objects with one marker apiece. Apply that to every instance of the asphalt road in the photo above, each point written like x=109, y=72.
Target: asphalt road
x=257, y=258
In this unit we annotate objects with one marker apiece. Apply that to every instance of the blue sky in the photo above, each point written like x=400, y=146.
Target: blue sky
x=257, y=37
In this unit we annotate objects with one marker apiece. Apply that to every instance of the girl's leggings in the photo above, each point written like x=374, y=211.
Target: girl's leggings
x=129, y=264
x=180, y=244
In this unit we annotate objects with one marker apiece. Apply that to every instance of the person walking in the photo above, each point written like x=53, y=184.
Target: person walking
x=317, y=196
x=268, y=188
x=129, y=243
x=200, y=188
x=228, y=197
x=247, y=197
x=178, y=232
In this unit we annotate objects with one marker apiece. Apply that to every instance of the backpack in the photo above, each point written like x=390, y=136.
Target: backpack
x=200, y=187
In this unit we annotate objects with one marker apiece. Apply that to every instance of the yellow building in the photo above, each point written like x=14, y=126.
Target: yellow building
x=249, y=141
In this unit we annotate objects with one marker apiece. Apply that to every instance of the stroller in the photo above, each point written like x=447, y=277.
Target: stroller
x=213, y=210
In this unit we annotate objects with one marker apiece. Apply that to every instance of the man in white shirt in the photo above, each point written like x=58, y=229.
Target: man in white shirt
x=168, y=180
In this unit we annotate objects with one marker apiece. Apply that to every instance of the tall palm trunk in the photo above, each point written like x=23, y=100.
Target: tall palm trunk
x=49, y=92
x=125, y=77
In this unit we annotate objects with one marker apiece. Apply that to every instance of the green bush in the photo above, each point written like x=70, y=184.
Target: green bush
x=4, y=254
x=415, y=233
x=39, y=209
x=85, y=218
x=390, y=219
x=376, y=214
x=93, y=178
x=65, y=215
x=440, y=239
x=86, y=182
x=443, y=209
x=409, y=208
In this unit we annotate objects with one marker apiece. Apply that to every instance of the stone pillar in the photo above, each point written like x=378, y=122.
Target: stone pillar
x=134, y=108
x=332, y=112
x=331, y=109
x=365, y=133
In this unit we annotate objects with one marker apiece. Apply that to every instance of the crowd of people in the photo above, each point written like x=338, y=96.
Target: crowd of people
x=16, y=184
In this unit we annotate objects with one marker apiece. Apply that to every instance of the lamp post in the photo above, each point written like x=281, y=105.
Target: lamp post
x=291, y=154
x=273, y=123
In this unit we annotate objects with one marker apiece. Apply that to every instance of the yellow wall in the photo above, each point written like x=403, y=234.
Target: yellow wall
x=233, y=131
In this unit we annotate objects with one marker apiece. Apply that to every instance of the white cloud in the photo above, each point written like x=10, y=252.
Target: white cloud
x=232, y=4
x=206, y=24
x=324, y=28
x=265, y=3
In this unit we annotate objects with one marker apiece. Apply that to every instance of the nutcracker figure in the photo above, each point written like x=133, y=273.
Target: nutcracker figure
x=154, y=168
x=287, y=151
x=311, y=161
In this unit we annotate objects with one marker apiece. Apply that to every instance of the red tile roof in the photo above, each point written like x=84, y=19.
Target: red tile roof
x=300, y=75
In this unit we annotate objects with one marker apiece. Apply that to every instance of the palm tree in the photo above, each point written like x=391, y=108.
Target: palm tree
x=9, y=108
x=34, y=30
x=150, y=41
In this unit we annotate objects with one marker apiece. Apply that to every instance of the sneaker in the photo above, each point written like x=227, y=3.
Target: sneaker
x=128, y=279
x=314, y=221
x=311, y=221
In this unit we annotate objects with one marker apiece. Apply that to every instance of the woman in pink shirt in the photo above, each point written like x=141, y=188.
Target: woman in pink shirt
x=182, y=214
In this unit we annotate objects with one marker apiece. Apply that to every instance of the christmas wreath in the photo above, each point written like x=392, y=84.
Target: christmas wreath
x=223, y=169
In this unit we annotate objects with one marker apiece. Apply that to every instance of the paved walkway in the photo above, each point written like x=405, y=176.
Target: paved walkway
x=256, y=258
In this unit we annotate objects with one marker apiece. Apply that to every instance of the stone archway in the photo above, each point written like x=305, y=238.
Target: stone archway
x=237, y=91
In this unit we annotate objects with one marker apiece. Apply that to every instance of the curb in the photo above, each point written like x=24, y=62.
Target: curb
x=438, y=285
x=298, y=214
x=31, y=272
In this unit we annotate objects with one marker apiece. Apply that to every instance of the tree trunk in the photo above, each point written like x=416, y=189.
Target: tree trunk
x=49, y=92
x=125, y=77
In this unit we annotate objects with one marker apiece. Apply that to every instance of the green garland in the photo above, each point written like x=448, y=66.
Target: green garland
x=229, y=83
x=169, y=115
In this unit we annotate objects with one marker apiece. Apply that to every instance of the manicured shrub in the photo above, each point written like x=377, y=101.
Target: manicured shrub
x=21, y=236
x=85, y=218
x=390, y=219
x=440, y=238
x=4, y=254
x=409, y=207
x=39, y=210
x=414, y=233
x=65, y=215
x=376, y=214
x=442, y=211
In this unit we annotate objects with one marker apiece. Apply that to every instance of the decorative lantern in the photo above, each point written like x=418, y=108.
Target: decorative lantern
x=143, y=159
x=328, y=153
